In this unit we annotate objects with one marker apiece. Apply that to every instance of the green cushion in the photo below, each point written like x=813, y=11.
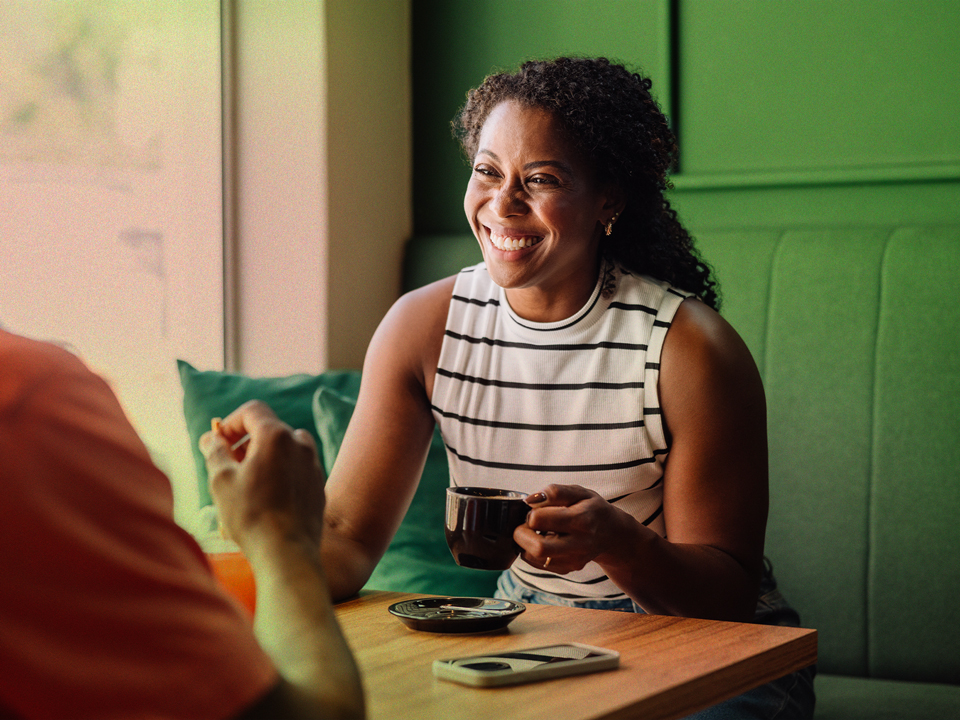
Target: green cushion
x=743, y=261
x=208, y=394
x=853, y=698
x=914, y=582
x=820, y=346
x=418, y=560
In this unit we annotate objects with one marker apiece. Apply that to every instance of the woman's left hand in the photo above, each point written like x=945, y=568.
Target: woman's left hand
x=571, y=526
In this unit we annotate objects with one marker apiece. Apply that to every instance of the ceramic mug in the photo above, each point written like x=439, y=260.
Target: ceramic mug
x=480, y=524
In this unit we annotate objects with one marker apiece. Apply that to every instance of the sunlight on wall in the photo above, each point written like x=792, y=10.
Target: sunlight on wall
x=110, y=184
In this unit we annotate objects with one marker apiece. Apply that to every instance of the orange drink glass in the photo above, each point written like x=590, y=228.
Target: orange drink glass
x=234, y=573
x=232, y=570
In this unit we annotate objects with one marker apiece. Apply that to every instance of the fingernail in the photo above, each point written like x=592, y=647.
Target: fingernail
x=536, y=498
x=208, y=441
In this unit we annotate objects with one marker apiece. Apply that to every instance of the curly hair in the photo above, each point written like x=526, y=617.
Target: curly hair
x=609, y=115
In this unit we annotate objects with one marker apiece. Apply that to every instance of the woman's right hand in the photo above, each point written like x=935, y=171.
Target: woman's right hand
x=273, y=483
x=569, y=526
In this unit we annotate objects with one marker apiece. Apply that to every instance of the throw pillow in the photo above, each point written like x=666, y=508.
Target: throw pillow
x=208, y=394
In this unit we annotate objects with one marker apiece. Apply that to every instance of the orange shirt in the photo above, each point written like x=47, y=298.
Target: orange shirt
x=108, y=608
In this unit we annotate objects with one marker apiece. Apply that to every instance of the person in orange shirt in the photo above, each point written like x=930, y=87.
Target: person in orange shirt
x=108, y=609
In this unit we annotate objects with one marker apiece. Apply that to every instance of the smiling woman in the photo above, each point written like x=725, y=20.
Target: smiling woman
x=537, y=211
x=583, y=363
x=609, y=116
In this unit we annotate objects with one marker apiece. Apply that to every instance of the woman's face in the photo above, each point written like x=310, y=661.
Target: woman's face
x=535, y=208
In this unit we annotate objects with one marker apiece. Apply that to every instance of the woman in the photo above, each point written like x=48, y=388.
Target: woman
x=582, y=362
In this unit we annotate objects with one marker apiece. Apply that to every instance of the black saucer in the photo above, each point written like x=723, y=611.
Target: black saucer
x=465, y=614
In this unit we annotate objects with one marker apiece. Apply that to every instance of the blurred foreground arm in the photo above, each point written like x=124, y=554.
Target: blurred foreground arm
x=270, y=498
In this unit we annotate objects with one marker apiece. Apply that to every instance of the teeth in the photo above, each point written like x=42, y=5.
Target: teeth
x=503, y=242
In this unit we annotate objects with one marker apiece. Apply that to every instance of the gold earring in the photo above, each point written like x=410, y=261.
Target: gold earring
x=610, y=224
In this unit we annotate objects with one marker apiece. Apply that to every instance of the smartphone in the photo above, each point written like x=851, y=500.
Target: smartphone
x=529, y=665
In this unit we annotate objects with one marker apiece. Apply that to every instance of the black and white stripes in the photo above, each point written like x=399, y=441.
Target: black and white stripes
x=521, y=405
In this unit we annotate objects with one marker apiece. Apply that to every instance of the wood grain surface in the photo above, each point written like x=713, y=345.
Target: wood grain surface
x=669, y=667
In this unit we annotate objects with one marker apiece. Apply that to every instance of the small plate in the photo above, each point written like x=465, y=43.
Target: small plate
x=456, y=614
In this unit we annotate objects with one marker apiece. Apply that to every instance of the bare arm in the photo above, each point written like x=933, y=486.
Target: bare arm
x=383, y=453
x=270, y=497
x=715, y=487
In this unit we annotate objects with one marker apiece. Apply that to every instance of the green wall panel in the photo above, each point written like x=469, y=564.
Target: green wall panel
x=456, y=43
x=800, y=85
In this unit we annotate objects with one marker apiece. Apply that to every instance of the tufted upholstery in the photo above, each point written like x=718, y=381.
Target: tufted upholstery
x=858, y=341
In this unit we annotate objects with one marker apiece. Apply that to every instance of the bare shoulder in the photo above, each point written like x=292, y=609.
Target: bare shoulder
x=425, y=306
x=705, y=363
x=700, y=336
x=411, y=333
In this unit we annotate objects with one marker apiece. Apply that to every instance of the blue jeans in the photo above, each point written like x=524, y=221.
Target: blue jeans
x=788, y=698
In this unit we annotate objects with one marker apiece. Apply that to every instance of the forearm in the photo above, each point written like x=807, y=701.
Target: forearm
x=347, y=563
x=296, y=626
x=686, y=580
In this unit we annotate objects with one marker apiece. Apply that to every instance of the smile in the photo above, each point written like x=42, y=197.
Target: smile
x=504, y=242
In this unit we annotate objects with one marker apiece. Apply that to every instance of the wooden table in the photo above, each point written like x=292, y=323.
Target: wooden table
x=669, y=667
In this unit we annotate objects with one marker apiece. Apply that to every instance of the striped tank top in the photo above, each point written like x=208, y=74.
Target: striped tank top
x=521, y=404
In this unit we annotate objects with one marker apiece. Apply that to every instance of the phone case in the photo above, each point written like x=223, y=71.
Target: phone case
x=526, y=665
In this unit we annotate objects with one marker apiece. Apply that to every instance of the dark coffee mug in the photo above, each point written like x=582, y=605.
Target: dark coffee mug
x=480, y=525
